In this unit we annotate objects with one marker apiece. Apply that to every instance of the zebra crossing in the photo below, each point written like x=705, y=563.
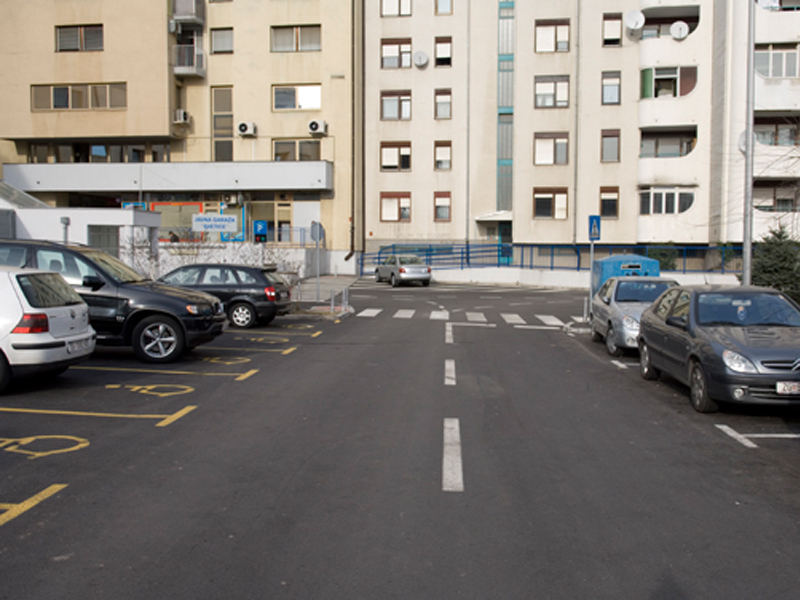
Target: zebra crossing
x=513, y=319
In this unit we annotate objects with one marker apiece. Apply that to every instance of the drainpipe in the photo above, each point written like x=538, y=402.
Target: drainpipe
x=576, y=154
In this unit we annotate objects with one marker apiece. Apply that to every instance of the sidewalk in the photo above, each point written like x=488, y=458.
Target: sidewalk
x=312, y=296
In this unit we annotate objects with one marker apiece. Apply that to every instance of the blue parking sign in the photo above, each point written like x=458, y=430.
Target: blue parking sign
x=594, y=228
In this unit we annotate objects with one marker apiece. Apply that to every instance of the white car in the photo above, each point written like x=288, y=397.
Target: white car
x=44, y=324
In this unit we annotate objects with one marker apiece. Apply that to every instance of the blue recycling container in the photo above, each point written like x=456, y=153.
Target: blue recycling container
x=619, y=265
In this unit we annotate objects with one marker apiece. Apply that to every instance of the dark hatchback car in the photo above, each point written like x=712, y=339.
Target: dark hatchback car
x=728, y=344
x=250, y=294
x=126, y=309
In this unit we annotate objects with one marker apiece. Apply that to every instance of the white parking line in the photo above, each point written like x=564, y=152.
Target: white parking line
x=452, y=467
x=449, y=372
x=737, y=436
x=744, y=438
x=550, y=320
x=619, y=365
x=448, y=333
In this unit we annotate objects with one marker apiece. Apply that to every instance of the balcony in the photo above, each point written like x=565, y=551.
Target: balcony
x=776, y=162
x=190, y=12
x=188, y=60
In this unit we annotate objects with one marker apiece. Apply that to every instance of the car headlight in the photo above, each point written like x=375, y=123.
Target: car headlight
x=630, y=323
x=198, y=309
x=736, y=362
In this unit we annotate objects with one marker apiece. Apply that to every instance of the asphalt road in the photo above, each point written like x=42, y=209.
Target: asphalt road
x=442, y=442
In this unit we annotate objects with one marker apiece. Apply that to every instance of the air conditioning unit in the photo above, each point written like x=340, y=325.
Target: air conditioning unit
x=246, y=129
x=181, y=117
x=317, y=127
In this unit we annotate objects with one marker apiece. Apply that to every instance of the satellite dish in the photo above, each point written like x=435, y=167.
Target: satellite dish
x=420, y=58
x=634, y=20
x=679, y=30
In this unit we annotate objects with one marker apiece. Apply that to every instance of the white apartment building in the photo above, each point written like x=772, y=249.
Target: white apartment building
x=248, y=108
x=516, y=121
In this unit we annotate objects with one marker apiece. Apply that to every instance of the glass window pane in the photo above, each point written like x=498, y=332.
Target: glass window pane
x=41, y=97
x=390, y=158
x=285, y=98
x=68, y=39
x=310, y=38
x=544, y=151
x=391, y=107
x=283, y=39
x=762, y=63
x=284, y=151
x=118, y=95
x=221, y=40
x=80, y=96
x=545, y=38
x=669, y=203
x=99, y=96
x=60, y=97
x=223, y=150
x=223, y=99
x=93, y=37
x=644, y=203
x=389, y=209
x=561, y=151
x=685, y=201
x=658, y=203
x=309, y=97
x=777, y=64
x=223, y=126
x=610, y=148
x=309, y=150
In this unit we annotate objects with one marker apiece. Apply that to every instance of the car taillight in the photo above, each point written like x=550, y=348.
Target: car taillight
x=33, y=323
x=402, y=269
x=270, y=292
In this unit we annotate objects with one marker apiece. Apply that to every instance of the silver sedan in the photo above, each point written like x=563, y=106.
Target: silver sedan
x=399, y=269
x=617, y=307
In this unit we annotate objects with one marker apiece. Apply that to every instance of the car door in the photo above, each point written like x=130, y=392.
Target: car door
x=385, y=268
x=653, y=330
x=676, y=336
x=600, y=304
x=219, y=281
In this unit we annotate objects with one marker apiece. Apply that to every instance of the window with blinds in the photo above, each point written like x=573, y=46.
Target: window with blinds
x=79, y=38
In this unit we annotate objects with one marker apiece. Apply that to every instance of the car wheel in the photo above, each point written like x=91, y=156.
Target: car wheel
x=698, y=390
x=378, y=276
x=242, y=315
x=5, y=372
x=394, y=281
x=158, y=339
x=646, y=368
x=611, y=342
x=596, y=336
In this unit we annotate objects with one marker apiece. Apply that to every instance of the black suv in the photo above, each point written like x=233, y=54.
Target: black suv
x=159, y=321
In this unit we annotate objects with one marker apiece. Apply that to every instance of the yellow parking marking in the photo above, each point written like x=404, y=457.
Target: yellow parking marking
x=278, y=350
x=164, y=420
x=296, y=326
x=232, y=360
x=263, y=340
x=12, y=511
x=285, y=333
x=15, y=445
x=154, y=390
x=236, y=376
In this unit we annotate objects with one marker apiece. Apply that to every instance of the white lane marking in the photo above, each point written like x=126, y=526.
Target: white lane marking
x=448, y=333
x=452, y=467
x=619, y=365
x=580, y=319
x=550, y=320
x=737, y=436
x=512, y=319
x=440, y=315
x=449, y=372
x=539, y=327
x=476, y=317
x=370, y=312
x=404, y=313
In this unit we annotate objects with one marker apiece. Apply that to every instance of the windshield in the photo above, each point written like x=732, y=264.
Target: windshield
x=746, y=309
x=117, y=269
x=410, y=260
x=640, y=291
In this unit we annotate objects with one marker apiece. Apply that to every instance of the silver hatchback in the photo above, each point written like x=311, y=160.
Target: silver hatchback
x=402, y=268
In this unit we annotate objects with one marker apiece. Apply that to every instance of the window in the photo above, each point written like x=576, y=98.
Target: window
x=79, y=38
x=444, y=7
x=778, y=132
x=297, y=97
x=659, y=200
x=395, y=8
x=609, y=202
x=661, y=27
x=442, y=104
x=770, y=196
x=442, y=152
x=552, y=35
x=302, y=150
x=550, y=148
x=441, y=206
x=611, y=85
x=612, y=29
x=551, y=91
x=395, y=206
x=444, y=52
x=304, y=38
x=222, y=119
x=222, y=41
x=668, y=82
x=610, y=146
x=550, y=203
x=396, y=54
x=396, y=105
x=667, y=144
x=79, y=96
x=396, y=156
x=776, y=60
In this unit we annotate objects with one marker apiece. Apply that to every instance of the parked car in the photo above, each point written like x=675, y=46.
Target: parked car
x=126, y=309
x=728, y=344
x=617, y=307
x=250, y=294
x=399, y=269
x=44, y=324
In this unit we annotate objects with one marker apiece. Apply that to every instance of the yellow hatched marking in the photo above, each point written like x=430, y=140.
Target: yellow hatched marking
x=12, y=511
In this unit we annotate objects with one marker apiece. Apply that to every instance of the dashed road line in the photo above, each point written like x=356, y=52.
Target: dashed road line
x=370, y=312
x=476, y=317
x=440, y=315
x=512, y=319
x=405, y=313
x=449, y=372
x=452, y=467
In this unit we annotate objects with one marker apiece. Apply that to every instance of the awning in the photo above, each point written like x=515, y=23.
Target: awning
x=502, y=215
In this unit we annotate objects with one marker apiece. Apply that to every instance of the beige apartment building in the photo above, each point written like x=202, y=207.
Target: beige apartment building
x=245, y=108
x=517, y=121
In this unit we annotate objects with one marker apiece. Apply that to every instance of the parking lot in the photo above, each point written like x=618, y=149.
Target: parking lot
x=56, y=430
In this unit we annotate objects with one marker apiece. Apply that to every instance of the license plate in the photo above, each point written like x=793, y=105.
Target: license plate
x=78, y=346
x=788, y=387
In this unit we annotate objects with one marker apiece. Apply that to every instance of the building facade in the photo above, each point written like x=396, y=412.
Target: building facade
x=239, y=107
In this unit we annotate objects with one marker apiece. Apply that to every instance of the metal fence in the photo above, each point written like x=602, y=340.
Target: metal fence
x=680, y=259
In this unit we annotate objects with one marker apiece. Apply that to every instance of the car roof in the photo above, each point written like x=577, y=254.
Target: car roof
x=643, y=278
x=233, y=265
x=744, y=289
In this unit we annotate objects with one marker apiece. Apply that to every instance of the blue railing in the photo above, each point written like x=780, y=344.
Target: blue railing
x=681, y=259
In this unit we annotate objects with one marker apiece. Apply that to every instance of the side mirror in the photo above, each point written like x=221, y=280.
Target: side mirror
x=677, y=322
x=93, y=282
x=606, y=300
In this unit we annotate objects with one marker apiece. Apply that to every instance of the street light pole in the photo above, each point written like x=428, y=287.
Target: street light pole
x=747, y=243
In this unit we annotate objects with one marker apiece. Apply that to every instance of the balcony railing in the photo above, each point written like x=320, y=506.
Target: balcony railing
x=189, y=61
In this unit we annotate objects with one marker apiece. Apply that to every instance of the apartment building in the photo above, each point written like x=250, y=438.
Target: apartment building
x=516, y=121
x=246, y=108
